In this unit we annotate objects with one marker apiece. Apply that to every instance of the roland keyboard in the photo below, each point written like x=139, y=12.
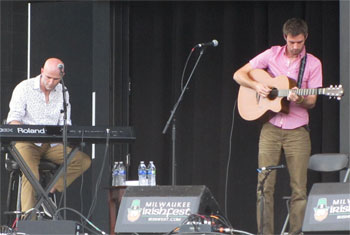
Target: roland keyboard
x=47, y=133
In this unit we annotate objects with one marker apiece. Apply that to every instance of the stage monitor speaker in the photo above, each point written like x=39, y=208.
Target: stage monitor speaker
x=328, y=209
x=160, y=209
x=47, y=227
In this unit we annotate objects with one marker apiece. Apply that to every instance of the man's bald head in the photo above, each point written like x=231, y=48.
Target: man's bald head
x=51, y=74
x=51, y=68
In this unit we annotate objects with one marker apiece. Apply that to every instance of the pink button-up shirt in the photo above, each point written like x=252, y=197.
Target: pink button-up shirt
x=276, y=63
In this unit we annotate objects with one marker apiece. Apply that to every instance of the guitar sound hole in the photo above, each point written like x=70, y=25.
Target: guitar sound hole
x=273, y=94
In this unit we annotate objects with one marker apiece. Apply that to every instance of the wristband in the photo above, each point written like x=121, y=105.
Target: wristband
x=301, y=101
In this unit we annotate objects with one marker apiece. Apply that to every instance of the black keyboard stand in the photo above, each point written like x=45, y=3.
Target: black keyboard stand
x=41, y=193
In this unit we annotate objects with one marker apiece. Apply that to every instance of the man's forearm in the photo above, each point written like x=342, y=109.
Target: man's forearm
x=15, y=122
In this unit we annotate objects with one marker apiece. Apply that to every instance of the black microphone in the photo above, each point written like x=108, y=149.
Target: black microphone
x=213, y=43
x=270, y=168
x=60, y=67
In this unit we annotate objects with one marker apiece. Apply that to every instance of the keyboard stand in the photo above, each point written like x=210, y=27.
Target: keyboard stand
x=41, y=193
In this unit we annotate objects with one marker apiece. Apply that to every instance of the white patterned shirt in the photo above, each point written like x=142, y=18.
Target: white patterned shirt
x=28, y=104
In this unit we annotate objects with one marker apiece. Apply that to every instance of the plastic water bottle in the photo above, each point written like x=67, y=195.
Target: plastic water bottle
x=122, y=174
x=115, y=173
x=151, y=174
x=142, y=174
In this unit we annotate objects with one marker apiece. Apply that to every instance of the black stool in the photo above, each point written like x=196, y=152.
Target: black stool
x=329, y=162
x=46, y=172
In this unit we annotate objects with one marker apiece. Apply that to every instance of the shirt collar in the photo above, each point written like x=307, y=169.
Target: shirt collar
x=301, y=55
x=37, y=83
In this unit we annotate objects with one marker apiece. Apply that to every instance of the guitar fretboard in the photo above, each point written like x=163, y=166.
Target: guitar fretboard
x=303, y=92
x=328, y=91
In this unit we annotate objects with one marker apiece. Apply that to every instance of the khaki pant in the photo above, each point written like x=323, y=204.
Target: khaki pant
x=32, y=154
x=297, y=149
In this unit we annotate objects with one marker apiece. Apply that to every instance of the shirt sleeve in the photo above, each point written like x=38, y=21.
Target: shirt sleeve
x=17, y=104
x=315, y=75
x=261, y=61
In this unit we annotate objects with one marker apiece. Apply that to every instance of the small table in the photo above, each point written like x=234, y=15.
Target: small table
x=114, y=199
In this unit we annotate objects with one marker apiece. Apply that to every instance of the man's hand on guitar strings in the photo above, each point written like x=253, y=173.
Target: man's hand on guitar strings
x=292, y=96
x=262, y=89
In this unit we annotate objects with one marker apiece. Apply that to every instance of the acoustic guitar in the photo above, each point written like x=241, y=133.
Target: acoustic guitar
x=252, y=106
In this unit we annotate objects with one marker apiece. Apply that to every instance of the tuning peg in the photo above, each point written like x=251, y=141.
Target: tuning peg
x=338, y=98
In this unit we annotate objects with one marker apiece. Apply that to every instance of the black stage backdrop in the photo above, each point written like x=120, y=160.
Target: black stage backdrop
x=162, y=35
x=106, y=45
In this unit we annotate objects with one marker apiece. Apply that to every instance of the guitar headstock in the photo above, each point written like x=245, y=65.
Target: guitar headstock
x=335, y=92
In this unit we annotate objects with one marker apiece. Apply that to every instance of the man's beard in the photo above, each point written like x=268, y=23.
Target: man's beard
x=296, y=52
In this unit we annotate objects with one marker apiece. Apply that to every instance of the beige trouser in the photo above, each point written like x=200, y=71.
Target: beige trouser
x=32, y=154
x=297, y=148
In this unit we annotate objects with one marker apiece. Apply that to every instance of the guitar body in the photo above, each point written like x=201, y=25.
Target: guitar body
x=251, y=106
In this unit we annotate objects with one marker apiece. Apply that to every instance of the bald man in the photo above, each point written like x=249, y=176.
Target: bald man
x=39, y=101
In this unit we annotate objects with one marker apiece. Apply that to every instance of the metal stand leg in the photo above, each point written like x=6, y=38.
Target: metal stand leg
x=262, y=204
x=56, y=177
x=262, y=200
x=42, y=194
x=9, y=191
x=18, y=203
x=346, y=177
x=287, y=218
x=285, y=224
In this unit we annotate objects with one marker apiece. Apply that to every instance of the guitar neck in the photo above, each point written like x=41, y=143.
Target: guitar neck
x=303, y=92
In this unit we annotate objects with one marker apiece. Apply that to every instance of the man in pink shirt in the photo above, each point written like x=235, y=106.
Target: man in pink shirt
x=285, y=131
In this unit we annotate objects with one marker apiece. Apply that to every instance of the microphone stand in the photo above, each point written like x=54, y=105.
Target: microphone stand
x=64, y=134
x=262, y=200
x=172, y=118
